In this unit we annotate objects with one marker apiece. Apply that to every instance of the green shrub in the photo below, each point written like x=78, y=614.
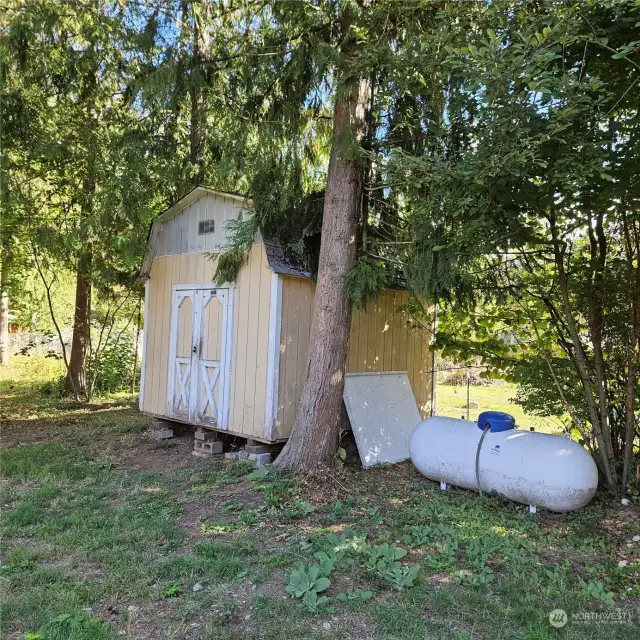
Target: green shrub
x=112, y=369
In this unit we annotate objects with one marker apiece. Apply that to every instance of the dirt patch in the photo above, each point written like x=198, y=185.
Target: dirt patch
x=57, y=422
x=147, y=455
x=73, y=567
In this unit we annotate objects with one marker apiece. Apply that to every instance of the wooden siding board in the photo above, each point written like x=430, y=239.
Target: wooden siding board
x=381, y=331
x=150, y=338
x=262, y=346
x=293, y=371
x=363, y=341
x=360, y=344
x=396, y=328
x=388, y=332
x=208, y=212
x=404, y=336
x=145, y=349
x=201, y=261
x=372, y=322
x=156, y=314
x=352, y=337
x=423, y=367
x=159, y=249
x=284, y=360
x=251, y=342
x=305, y=311
x=239, y=348
x=163, y=336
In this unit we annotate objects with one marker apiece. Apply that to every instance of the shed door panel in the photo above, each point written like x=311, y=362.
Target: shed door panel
x=199, y=357
x=182, y=355
x=211, y=357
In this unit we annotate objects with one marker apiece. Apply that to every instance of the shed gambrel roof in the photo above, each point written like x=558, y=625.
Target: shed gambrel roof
x=282, y=262
x=194, y=195
x=176, y=208
x=280, y=259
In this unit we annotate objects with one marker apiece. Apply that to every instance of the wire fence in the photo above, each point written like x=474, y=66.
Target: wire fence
x=35, y=344
x=463, y=392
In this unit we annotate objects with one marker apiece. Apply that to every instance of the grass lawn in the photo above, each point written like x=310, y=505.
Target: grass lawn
x=451, y=400
x=107, y=535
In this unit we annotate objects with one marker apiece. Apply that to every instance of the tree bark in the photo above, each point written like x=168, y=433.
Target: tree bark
x=596, y=323
x=6, y=259
x=81, y=340
x=77, y=374
x=135, y=349
x=4, y=326
x=580, y=358
x=198, y=82
x=632, y=246
x=4, y=302
x=314, y=439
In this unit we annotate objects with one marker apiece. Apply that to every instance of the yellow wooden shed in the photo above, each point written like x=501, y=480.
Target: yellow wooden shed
x=232, y=357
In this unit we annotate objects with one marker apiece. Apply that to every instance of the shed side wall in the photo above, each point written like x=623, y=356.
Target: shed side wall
x=380, y=340
x=250, y=334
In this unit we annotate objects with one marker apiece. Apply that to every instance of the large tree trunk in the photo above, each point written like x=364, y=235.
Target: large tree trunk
x=199, y=79
x=4, y=302
x=314, y=439
x=77, y=373
x=4, y=326
x=6, y=257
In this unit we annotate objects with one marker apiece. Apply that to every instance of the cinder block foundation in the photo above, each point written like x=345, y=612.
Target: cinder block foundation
x=205, y=449
x=162, y=434
x=259, y=459
x=205, y=435
x=258, y=448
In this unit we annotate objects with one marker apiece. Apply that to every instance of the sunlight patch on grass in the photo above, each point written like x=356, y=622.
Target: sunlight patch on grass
x=451, y=400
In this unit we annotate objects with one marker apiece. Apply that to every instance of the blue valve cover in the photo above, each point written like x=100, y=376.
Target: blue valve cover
x=497, y=420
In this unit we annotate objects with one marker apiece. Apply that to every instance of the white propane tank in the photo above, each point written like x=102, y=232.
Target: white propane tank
x=528, y=467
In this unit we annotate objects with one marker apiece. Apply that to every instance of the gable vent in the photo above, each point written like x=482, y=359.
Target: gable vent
x=206, y=226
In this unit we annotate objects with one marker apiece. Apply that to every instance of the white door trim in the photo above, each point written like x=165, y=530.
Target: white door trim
x=173, y=343
x=273, y=358
x=226, y=357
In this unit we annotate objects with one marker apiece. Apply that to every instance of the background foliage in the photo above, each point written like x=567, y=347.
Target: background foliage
x=500, y=160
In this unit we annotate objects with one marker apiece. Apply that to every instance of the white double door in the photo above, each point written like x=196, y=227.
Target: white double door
x=200, y=354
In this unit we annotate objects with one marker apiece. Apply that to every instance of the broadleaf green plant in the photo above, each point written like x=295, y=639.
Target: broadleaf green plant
x=305, y=579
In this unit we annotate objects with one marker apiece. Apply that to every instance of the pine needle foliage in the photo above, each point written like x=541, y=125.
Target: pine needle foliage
x=229, y=261
x=365, y=282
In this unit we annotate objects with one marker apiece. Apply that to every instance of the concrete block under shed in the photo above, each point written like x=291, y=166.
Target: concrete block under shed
x=206, y=449
x=162, y=434
x=259, y=448
x=259, y=459
x=205, y=435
